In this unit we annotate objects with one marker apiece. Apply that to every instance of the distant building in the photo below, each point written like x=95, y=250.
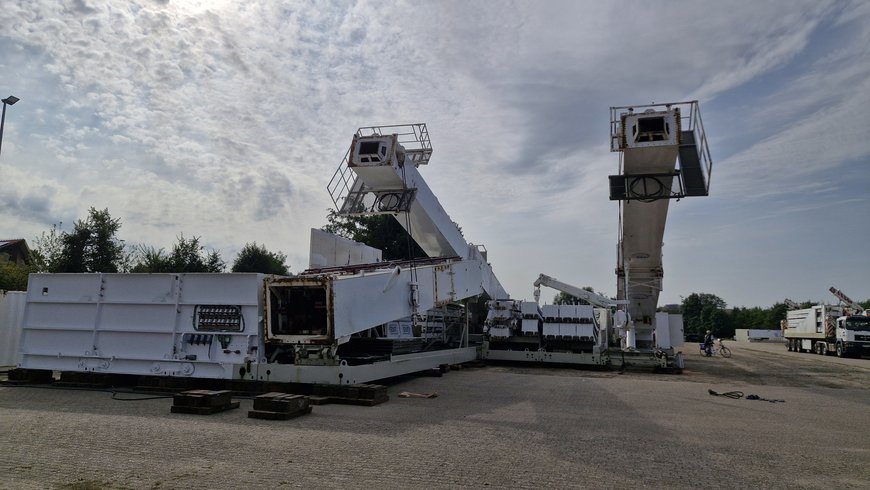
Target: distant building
x=15, y=251
x=757, y=335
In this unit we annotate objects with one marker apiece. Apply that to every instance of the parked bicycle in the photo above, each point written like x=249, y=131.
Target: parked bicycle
x=716, y=349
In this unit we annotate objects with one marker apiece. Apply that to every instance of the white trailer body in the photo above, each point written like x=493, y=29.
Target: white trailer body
x=823, y=329
x=188, y=325
x=810, y=323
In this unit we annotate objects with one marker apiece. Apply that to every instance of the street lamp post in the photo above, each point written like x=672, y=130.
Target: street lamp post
x=11, y=100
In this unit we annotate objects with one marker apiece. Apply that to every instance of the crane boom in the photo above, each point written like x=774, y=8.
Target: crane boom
x=791, y=304
x=663, y=156
x=846, y=300
x=379, y=176
x=588, y=296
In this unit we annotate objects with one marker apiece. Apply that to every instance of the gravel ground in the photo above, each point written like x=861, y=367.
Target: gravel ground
x=503, y=426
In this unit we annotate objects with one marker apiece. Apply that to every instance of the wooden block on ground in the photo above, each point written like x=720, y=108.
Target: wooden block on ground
x=363, y=402
x=318, y=400
x=270, y=415
x=203, y=410
x=280, y=402
x=202, y=398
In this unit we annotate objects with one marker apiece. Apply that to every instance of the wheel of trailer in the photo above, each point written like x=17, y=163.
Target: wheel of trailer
x=725, y=351
x=820, y=348
x=840, y=351
x=789, y=344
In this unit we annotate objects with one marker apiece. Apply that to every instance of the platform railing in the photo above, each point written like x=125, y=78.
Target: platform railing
x=347, y=192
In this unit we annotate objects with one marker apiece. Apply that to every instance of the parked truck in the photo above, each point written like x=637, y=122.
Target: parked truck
x=825, y=329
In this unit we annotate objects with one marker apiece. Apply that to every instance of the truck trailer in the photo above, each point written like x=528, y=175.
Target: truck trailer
x=825, y=329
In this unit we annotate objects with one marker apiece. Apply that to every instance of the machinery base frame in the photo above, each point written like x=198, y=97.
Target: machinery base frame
x=608, y=358
x=345, y=374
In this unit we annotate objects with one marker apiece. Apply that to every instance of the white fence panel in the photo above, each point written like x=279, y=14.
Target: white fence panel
x=11, y=318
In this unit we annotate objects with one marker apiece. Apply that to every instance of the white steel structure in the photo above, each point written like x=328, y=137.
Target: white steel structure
x=343, y=315
x=574, y=334
x=343, y=321
x=663, y=155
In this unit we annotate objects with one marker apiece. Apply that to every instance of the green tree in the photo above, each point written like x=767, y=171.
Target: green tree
x=380, y=231
x=47, y=250
x=774, y=315
x=256, y=258
x=699, y=313
x=151, y=259
x=92, y=246
x=13, y=277
x=563, y=298
x=187, y=256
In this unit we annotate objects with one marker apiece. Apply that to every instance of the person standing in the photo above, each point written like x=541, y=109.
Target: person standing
x=708, y=343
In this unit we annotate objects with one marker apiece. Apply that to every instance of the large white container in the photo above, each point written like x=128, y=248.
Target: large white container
x=203, y=325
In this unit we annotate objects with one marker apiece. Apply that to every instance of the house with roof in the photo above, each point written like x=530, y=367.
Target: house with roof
x=15, y=251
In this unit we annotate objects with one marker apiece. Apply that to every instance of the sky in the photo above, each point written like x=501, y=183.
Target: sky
x=226, y=119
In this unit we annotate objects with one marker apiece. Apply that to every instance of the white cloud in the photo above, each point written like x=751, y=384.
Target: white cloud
x=226, y=120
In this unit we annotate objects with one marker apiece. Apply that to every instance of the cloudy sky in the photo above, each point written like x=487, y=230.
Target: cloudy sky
x=226, y=119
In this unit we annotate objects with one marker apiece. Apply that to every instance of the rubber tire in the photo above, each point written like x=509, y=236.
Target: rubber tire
x=840, y=351
x=725, y=352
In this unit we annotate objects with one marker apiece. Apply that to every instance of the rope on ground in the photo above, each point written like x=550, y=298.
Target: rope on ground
x=729, y=394
x=739, y=394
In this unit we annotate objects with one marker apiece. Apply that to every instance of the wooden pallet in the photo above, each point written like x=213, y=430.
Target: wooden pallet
x=359, y=394
x=203, y=402
x=279, y=406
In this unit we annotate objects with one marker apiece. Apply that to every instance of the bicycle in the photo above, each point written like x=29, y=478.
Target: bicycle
x=714, y=349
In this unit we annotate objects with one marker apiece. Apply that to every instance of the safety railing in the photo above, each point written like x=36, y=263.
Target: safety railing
x=690, y=120
x=347, y=192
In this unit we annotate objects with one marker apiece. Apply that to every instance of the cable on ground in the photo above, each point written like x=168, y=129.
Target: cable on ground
x=728, y=394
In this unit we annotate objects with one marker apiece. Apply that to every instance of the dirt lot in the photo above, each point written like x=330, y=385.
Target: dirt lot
x=503, y=426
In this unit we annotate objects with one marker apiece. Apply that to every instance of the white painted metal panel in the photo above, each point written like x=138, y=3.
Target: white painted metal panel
x=11, y=317
x=530, y=326
x=663, y=330
x=330, y=250
x=142, y=323
x=69, y=288
x=353, y=297
x=677, y=334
